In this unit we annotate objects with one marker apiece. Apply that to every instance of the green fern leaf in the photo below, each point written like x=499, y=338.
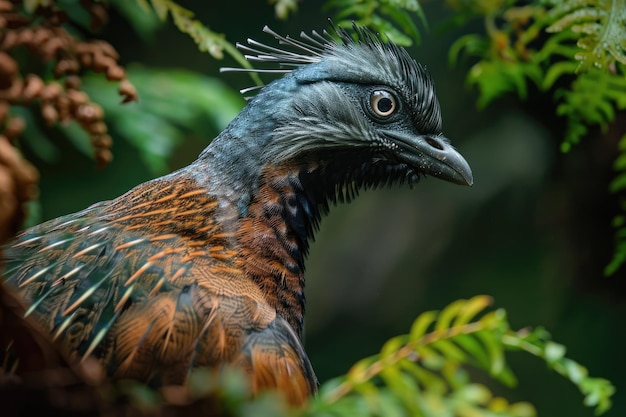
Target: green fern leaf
x=450, y=350
x=282, y=8
x=591, y=100
x=471, y=309
x=421, y=324
x=392, y=18
x=160, y=8
x=475, y=349
x=597, y=391
x=448, y=314
x=601, y=26
x=494, y=78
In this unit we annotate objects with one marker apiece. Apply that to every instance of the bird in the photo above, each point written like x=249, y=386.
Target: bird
x=205, y=266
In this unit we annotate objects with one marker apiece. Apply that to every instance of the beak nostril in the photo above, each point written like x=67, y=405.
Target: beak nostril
x=434, y=143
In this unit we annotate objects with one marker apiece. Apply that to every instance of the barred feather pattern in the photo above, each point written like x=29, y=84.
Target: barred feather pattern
x=151, y=284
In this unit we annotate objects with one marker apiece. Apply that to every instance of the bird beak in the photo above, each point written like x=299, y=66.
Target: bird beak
x=432, y=155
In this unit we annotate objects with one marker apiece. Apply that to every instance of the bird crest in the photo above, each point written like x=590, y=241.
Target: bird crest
x=309, y=50
x=346, y=55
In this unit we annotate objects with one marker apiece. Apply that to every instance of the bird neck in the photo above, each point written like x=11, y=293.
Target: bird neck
x=274, y=207
x=274, y=210
x=274, y=236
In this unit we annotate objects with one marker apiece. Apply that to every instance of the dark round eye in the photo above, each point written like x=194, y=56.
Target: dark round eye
x=383, y=103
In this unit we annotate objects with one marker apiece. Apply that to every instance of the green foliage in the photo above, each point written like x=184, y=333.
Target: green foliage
x=427, y=371
x=393, y=18
x=592, y=100
x=184, y=104
x=599, y=89
x=599, y=25
x=495, y=76
x=574, y=48
x=506, y=61
x=586, y=46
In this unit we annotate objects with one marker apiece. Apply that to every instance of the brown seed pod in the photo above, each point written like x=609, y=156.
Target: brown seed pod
x=66, y=66
x=9, y=40
x=4, y=109
x=99, y=14
x=115, y=73
x=85, y=59
x=8, y=66
x=14, y=127
x=77, y=97
x=6, y=6
x=102, y=62
x=63, y=107
x=73, y=82
x=33, y=85
x=49, y=114
x=8, y=70
x=51, y=91
x=102, y=141
x=91, y=112
x=14, y=92
x=25, y=36
x=128, y=91
x=96, y=128
x=41, y=35
x=51, y=47
x=103, y=157
x=105, y=48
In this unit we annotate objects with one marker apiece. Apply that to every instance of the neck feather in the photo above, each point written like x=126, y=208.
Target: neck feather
x=274, y=234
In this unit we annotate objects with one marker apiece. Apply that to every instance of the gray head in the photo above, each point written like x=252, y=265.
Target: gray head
x=359, y=106
x=357, y=94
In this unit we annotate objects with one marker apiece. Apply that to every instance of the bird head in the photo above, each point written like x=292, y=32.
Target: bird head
x=353, y=101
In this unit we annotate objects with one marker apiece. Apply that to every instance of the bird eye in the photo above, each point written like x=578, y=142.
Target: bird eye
x=383, y=103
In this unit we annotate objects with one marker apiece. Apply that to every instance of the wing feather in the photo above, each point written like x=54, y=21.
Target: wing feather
x=150, y=285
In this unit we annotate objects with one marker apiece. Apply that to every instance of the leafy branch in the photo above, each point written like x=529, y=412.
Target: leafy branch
x=425, y=370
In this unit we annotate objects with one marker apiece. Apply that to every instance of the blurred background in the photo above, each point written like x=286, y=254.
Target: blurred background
x=534, y=231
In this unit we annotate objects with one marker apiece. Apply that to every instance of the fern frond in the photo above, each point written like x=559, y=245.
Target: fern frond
x=618, y=185
x=424, y=372
x=597, y=391
x=206, y=39
x=393, y=18
x=592, y=100
x=600, y=25
x=506, y=61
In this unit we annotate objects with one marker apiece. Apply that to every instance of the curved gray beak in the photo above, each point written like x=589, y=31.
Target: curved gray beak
x=432, y=155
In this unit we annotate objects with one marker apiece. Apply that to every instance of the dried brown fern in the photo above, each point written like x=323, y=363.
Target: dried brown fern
x=42, y=34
